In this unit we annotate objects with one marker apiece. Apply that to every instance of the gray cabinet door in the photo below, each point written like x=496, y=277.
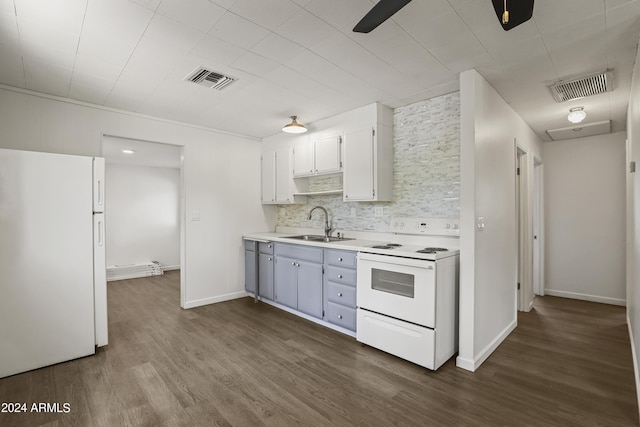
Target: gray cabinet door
x=286, y=287
x=310, y=288
x=250, y=276
x=265, y=276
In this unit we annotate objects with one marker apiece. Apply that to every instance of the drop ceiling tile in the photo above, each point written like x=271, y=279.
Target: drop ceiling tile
x=254, y=64
x=129, y=93
x=328, y=74
x=8, y=26
x=90, y=88
x=238, y=31
x=11, y=69
x=302, y=3
x=610, y=4
x=197, y=14
x=348, y=55
x=62, y=15
x=269, y=14
x=7, y=6
x=305, y=29
x=153, y=62
x=113, y=29
x=216, y=52
x=163, y=31
x=439, y=30
x=295, y=82
x=277, y=48
x=56, y=36
x=550, y=15
x=148, y=4
x=96, y=66
x=340, y=14
x=418, y=13
x=47, y=54
x=47, y=78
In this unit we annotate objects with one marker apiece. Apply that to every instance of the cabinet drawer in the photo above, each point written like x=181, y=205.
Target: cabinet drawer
x=341, y=258
x=266, y=248
x=341, y=315
x=341, y=294
x=250, y=245
x=341, y=275
x=300, y=252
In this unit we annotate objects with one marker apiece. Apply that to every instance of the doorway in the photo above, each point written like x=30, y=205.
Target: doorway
x=538, y=229
x=523, y=285
x=145, y=208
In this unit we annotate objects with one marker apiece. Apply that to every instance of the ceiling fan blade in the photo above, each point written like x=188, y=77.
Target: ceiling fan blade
x=519, y=11
x=382, y=11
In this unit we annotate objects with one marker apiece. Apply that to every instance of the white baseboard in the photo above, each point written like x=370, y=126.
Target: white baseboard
x=585, y=297
x=170, y=267
x=213, y=300
x=473, y=364
x=634, y=356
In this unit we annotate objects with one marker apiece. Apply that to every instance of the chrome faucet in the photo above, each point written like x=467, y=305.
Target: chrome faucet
x=327, y=227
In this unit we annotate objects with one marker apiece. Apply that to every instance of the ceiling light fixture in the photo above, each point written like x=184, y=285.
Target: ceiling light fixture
x=294, y=126
x=128, y=151
x=576, y=115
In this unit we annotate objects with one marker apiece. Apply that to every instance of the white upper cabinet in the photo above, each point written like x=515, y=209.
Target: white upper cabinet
x=319, y=154
x=269, y=176
x=303, y=157
x=328, y=155
x=278, y=186
x=368, y=155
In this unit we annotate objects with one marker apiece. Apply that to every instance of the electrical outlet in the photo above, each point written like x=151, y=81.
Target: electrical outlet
x=378, y=211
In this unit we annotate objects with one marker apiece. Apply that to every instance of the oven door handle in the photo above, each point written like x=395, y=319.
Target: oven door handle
x=392, y=260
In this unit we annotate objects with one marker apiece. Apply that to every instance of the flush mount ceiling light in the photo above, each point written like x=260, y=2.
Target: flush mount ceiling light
x=576, y=115
x=294, y=126
x=128, y=151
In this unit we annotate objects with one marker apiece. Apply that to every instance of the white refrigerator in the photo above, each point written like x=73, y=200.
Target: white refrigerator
x=53, y=293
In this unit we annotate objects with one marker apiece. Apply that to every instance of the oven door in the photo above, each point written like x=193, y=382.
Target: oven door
x=403, y=288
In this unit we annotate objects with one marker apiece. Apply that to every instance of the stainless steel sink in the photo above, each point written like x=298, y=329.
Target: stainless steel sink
x=316, y=238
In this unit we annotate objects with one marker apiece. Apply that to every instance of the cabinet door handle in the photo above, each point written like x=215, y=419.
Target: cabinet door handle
x=269, y=259
x=339, y=276
x=268, y=246
x=339, y=294
x=297, y=265
x=293, y=263
x=339, y=316
x=340, y=259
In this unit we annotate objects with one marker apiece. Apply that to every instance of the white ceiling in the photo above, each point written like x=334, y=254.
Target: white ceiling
x=300, y=57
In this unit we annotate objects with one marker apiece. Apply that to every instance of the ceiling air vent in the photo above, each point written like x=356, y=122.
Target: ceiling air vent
x=209, y=78
x=566, y=90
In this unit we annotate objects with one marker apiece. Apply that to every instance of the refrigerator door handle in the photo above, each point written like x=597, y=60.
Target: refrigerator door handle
x=100, y=233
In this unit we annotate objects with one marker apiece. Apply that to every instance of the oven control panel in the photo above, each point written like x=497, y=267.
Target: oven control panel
x=426, y=226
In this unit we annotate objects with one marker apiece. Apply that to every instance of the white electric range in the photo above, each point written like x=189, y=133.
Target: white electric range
x=407, y=295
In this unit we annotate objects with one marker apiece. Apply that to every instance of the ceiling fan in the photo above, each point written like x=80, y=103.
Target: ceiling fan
x=510, y=13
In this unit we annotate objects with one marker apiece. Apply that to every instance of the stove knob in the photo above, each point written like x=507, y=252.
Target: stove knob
x=448, y=226
x=455, y=226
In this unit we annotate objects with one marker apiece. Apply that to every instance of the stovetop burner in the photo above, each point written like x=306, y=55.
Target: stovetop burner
x=386, y=246
x=432, y=250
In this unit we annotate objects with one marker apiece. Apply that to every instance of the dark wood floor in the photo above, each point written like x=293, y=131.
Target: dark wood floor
x=241, y=364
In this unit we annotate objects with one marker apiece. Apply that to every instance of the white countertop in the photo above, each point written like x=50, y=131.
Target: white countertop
x=357, y=245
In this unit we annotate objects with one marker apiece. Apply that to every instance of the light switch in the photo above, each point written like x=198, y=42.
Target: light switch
x=378, y=211
x=480, y=223
x=195, y=215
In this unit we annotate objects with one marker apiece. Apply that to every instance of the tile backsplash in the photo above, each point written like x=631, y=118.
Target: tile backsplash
x=426, y=174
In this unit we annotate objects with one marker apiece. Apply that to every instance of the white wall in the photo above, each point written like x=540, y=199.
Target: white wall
x=585, y=218
x=221, y=178
x=143, y=215
x=633, y=220
x=489, y=130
